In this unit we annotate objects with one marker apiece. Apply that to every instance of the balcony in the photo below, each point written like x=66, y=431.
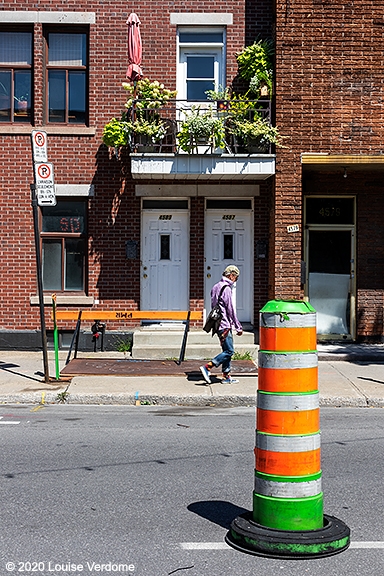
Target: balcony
x=174, y=152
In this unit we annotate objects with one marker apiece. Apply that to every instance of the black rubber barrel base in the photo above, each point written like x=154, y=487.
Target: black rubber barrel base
x=248, y=536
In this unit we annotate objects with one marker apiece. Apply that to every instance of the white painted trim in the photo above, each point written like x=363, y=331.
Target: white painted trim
x=201, y=19
x=75, y=190
x=31, y=17
x=191, y=190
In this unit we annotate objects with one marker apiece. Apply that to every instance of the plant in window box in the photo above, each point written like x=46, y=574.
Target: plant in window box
x=201, y=128
x=257, y=135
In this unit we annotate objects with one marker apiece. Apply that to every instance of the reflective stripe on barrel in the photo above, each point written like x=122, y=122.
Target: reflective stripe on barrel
x=288, y=413
x=283, y=372
x=287, y=455
x=288, y=333
x=300, y=487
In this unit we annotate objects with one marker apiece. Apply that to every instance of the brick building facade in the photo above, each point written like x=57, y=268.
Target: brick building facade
x=329, y=94
x=327, y=105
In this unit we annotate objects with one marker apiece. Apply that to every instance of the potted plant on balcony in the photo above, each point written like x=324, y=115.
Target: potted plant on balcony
x=201, y=131
x=140, y=123
x=140, y=132
x=146, y=134
x=257, y=134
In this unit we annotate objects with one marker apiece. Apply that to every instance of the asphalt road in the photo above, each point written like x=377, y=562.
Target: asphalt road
x=152, y=490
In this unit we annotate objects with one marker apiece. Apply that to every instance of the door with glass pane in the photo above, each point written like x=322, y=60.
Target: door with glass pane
x=229, y=240
x=165, y=260
x=330, y=248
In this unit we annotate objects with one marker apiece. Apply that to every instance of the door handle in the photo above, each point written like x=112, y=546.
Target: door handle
x=208, y=275
x=145, y=276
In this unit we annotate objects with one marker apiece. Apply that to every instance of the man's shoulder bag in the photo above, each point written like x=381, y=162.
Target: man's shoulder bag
x=214, y=317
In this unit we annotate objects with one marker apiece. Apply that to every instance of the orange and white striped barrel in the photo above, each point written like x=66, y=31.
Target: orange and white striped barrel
x=287, y=492
x=287, y=519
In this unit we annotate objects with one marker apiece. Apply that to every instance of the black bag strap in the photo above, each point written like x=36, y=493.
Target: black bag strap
x=221, y=291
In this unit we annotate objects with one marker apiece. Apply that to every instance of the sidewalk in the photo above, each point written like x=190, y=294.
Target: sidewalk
x=349, y=375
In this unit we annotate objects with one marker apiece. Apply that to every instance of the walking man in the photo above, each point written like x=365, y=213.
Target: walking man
x=228, y=322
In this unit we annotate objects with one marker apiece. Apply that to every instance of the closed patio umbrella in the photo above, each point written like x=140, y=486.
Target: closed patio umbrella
x=134, y=71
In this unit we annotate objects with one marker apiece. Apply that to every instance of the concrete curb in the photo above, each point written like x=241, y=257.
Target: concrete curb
x=228, y=401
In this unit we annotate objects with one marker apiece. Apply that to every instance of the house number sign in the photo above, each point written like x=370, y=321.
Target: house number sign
x=165, y=217
x=228, y=217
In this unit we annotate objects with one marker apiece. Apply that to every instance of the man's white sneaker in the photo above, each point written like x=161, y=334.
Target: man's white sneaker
x=206, y=374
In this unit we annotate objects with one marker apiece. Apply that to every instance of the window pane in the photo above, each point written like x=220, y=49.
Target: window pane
x=76, y=112
x=74, y=264
x=16, y=48
x=22, y=97
x=56, y=90
x=51, y=264
x=196, y=89
x=228, y=247
x=67, y=217
x=200, y=67
x=5, y=96
x=205, y=37
x=67, y=50
x=329, y=211
x=165, y=247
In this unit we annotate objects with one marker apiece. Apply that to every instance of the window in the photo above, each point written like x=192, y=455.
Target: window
x=64, y=246
x=201, y=62
x=15, y=76
x=67, y=77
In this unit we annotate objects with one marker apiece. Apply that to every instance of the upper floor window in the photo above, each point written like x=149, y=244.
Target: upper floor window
x=67, y=77
x=15, y=76
x=201, y=64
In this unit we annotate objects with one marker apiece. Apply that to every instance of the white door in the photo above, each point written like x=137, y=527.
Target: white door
x=165, y=260
x=229, y=240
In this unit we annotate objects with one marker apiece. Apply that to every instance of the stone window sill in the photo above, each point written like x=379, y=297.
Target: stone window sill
x=64, y=300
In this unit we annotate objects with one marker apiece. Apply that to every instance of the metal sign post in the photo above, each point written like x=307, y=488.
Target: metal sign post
x=43, y=194
x=40, y=283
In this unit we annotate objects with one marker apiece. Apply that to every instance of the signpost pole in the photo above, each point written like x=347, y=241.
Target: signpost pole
x=40, y=282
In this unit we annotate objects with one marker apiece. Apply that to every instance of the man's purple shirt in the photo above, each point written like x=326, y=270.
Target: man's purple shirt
x=229, y=319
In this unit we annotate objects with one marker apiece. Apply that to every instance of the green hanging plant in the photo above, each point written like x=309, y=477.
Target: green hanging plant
x=116, y=133
x=255, y=64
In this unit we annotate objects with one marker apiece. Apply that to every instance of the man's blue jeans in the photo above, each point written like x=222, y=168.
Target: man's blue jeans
x=225, y=356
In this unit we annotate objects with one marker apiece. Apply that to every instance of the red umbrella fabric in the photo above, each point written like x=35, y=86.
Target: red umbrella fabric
x=134, y=71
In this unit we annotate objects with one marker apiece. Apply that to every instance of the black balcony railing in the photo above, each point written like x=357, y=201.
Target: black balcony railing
x=200, y=127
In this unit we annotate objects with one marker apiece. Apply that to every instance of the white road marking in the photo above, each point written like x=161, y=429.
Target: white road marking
x=224, y=546
x=367, y=545
x=9, y=421
x=205, y=546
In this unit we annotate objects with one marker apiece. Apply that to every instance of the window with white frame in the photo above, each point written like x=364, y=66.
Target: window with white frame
x=15, y=76
x=201, y=63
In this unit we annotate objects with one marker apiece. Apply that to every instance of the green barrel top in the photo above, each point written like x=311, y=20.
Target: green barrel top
x=288, y=306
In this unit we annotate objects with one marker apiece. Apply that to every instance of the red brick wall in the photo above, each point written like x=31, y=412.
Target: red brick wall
x=114, y=214
x=329, y=95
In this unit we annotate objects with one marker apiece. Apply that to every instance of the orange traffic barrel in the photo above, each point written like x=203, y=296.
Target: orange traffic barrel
x=287, y=517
